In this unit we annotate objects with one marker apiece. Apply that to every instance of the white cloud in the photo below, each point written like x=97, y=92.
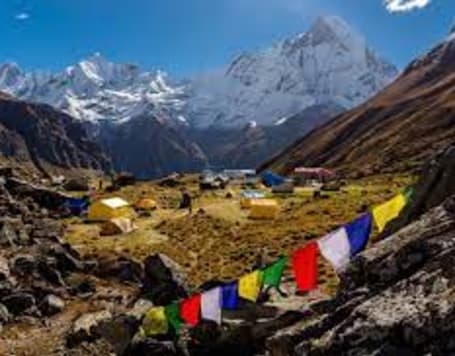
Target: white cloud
x=22, y=16
x=405, y=5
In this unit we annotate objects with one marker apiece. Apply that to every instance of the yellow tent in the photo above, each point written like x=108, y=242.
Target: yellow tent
x=106, y=209
x=264, y=209
x=248, y=197
x=117, y=226
x=146, y=204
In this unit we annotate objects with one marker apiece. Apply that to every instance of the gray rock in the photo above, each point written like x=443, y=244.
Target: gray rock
x=4, y=314
x=4, y=269
x=24, y=264
x=8, y=236
x=85, y=327
x=152, y=347
x=119, y=331
x=51, y=305
x=19, y=302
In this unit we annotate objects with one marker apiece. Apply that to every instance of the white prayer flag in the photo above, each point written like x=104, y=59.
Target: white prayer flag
x=211, y=305
x=335, y=248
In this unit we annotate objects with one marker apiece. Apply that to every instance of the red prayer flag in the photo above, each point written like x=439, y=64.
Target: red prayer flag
x=305, y=267
x=189, y=309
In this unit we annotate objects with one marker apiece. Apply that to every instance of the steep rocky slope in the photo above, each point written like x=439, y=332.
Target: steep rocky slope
x=250, y=145
x=45, y=138
x=396, y=130
x=330, y=64
x=151, y=147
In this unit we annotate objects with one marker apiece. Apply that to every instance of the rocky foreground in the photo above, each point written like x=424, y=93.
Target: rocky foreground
x=396, y=298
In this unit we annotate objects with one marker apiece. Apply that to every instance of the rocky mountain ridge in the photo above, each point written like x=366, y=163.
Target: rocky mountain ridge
x=397, y=130
x=45, y=139
x=237, y=117
x=329, y=64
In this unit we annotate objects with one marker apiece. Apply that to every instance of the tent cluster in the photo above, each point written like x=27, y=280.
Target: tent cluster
x=338, y=247
x=114, y=214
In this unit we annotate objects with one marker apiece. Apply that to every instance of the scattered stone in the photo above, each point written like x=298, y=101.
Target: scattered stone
x=153, y=347
x=85, y=328
x=140, y=308
x=24, y=264
x=19, y=302
x=160, y=284
x=121, y=268
x=4, y=269
x=80, y=184
x=4, y=314
x=51, y=305
x=119, y=331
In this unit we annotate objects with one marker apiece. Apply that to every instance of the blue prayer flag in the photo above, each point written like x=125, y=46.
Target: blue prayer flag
x=358, y=232
x=230, y=296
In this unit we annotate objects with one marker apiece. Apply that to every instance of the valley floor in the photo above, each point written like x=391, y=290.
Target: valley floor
x=218, y=241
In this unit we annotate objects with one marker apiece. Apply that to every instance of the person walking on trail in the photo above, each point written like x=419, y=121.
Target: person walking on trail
x=186, y=201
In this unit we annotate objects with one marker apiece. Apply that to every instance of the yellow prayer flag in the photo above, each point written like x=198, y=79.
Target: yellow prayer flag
x=388, y=211
x=155, y=322
x=250, y=285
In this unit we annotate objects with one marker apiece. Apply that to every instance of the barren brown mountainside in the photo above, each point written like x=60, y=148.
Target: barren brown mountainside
x=397, y=130
x=44, y=138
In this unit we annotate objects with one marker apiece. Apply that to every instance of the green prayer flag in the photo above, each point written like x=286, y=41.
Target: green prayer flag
x=272, y=274
x=408, y=193
x=172, y=312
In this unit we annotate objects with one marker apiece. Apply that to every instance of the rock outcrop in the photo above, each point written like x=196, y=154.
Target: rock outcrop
x=436, y=183
x=396, y=298
x=46, y=138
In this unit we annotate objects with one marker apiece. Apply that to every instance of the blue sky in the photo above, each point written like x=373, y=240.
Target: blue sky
x=187, y=36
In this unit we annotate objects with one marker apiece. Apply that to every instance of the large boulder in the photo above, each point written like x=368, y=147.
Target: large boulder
x=79, y=184
x=51, y=305
x=45, y=197
x=85, y=328
x=19, y=302
x=436, y=183
x=160, y=284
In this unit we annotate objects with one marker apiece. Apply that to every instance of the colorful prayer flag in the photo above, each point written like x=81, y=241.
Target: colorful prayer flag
x=304, y=265
x=190, y=308
x=272, y=274
x=388, y=211
x=408, y=193
x=155, y=322
x=211, y=305
x=230, y=296
x=336, y=249
x=358, y=233
x=173, y=316
x=250, y=286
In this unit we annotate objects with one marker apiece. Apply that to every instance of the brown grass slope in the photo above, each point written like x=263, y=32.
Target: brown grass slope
x=397, y=130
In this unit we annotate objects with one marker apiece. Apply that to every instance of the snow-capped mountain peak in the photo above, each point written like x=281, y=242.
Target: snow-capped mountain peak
x=96, y=89
x=330, y=63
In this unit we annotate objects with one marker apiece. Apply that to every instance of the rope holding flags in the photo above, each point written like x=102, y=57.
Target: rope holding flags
x=337, y=247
